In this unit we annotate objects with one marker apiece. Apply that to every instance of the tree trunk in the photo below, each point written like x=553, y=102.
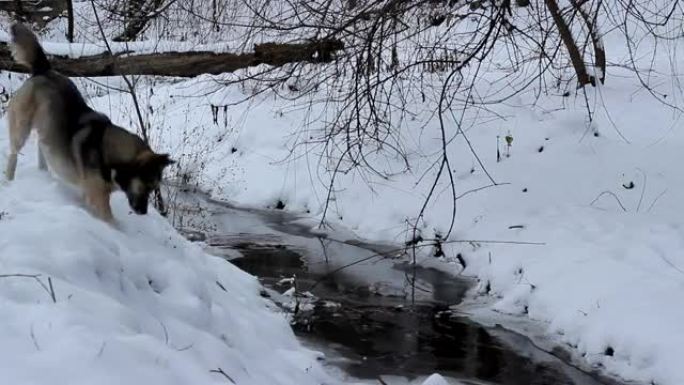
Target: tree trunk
x=596, y=39
x=583, y=77
x=138, y=14
x=70, y=20
x=183, y=64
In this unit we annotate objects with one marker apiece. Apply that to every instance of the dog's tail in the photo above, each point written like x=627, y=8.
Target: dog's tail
x=26, y=50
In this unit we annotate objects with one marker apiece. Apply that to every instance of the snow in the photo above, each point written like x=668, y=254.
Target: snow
x=602, y=275
x=137, y=304
x=435, y=379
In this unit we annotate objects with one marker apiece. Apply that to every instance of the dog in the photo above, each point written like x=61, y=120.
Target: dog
x=82, y=146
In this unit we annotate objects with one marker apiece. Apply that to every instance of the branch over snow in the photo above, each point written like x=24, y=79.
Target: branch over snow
x=184, y=64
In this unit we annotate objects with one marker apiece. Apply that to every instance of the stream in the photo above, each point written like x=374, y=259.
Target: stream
x=352, y=301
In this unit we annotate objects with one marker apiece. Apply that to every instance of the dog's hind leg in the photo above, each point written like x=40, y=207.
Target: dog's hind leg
x=19, y=130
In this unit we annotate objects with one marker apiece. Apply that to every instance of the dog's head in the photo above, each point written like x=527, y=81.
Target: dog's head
x=140, y=178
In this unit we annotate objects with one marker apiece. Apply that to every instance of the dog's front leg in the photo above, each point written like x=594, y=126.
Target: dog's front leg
x=11, y=166
x=96, y=194
x=42, y=163
x=77, y=152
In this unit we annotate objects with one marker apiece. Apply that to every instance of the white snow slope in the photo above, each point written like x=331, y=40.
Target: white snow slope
x=135, y=305
x=606, y=280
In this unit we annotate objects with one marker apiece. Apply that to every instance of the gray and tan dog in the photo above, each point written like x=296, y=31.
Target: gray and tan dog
x=82, y=146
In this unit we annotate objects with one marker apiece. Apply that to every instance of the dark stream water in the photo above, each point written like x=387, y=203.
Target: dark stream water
x=362, y=315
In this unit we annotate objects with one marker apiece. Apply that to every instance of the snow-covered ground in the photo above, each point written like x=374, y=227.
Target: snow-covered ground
x=138, y=304
x=604, y=277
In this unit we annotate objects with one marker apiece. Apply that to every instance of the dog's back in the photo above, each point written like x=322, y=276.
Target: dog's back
x=81, y=145
x=49, y=102
x=45, y=87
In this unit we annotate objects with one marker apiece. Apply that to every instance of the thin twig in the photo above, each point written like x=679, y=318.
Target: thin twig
x=36, y=277
x=33, y=338
x=611, y=194
x=656, y=200
x=131, y=88
x=643, y=189
x=480, y=189
x=52, y=291
x=224, y=374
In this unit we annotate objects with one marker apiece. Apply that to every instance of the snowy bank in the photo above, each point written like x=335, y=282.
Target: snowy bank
x=139, y=305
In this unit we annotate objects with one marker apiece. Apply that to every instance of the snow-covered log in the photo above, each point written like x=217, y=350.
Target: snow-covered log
x=183, y=64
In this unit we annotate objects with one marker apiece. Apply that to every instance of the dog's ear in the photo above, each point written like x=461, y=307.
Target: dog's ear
x=150, y=160
x=163, y=160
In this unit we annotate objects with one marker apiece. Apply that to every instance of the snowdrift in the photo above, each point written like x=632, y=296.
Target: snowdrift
x=136, y=305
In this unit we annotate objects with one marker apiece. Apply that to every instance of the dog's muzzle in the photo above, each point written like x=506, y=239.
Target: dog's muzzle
x=138, y=205
x=141, y=210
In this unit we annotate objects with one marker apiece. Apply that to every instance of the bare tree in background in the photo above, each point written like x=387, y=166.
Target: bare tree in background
x=400, y=54
x=424, y=60
x=70, y=20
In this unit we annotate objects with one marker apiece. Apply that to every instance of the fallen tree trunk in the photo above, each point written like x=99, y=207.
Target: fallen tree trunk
x=183, y=64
